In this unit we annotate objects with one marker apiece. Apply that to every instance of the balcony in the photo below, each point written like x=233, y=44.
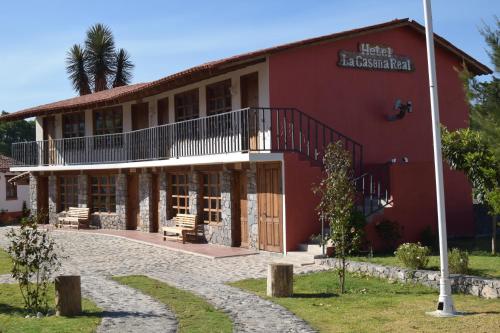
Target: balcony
x=256, y=130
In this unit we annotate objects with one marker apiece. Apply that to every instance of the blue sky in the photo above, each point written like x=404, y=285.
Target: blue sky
x=164, y=37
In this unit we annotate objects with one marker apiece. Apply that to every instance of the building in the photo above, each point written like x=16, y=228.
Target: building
x=239, y=141
x=14, y=191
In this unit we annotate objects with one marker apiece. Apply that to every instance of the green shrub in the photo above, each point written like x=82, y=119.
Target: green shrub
x=389, y=232
x=458, y=261
x=413, y=255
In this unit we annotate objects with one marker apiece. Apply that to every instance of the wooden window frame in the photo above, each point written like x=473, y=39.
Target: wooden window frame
x=66, y=187
x=73, y=121
x=10, y=189
x=176, y=196
x=219, y=93
x=187, y=105
x=115, y=116
x=103, y=192
x=211, y=197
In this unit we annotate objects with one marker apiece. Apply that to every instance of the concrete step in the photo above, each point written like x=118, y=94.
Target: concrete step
x=298, y=258
x=315, y=249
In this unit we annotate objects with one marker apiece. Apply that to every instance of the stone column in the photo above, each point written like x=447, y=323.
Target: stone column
x=226, y=180
x=82, y=191
x=33, y=194
x=121, y=201
x=194, y=188
x=253, y=217
x=145, y=202
x=52, y=199
x=164, y=203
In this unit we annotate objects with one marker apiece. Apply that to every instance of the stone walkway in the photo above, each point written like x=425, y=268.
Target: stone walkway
x=98, y=257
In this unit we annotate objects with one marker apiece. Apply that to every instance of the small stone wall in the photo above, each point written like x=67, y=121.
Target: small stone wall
x=145, y=202
x=163, y=204
x=252, y=208
x=477, y=286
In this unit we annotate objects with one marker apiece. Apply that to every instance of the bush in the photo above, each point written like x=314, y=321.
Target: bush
x=429, y=238
x=389, y=232
x=458, y=261
x=413, y=255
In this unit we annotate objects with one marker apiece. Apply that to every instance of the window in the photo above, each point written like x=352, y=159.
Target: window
x=10, y=189
x=162, y=111
x=108, y=121
x=211, y=197
x=219, y=97
x=179, y=186
x=103, y=194
x=68, y=192
x=73, y=125
x=186, y=105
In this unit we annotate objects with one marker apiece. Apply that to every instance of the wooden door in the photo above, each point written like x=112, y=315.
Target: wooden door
x=250, y=98
x=156, y=202
x=140, y=116
x=42, y=200
x=49, y=134
x=243, y=205
x=133, y=213
x=270, y=207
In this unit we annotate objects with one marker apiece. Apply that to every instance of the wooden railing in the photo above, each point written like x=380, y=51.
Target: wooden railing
x=245, y=130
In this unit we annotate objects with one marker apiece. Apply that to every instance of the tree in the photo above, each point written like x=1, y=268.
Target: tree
x=337, y=191
x=466, y=150
x=15, y=131
x=484, y=104
x=98, y=66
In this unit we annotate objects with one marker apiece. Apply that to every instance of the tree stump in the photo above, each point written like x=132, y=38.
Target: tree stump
x=280, y=280
x=68, y=295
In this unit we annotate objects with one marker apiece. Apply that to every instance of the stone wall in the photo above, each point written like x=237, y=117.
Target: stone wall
x=194, y=188
x=163, y=203
x=253, y=217
x=116, y=220
x=52, y=199
x=33, y=194
x=221, y=233
x=145, y=202
x=477, y=286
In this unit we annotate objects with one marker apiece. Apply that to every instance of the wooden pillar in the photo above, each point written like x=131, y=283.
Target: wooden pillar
x=68, y=295
x=280, y=280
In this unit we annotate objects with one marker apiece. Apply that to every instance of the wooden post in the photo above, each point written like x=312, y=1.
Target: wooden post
x=280, y=280
x=68, y=295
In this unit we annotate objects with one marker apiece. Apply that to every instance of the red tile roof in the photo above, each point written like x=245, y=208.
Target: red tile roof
x=6, y=162
x=213, y=68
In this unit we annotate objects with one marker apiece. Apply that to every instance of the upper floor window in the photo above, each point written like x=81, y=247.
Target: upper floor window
x=187, y=105
x=11, y=189
x=108, y=120
x=73, y=125
x=219, y=97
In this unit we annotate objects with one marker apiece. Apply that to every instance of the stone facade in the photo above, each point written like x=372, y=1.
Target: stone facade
x=52, y=199
x=145, y=202
x=253, y=217
x=82, y=190
x=221, y=233
x=194, y=189
x=33, y=194
x=163, y=202
x=487, y=288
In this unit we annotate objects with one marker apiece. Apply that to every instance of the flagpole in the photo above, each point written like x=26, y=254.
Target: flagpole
x=445, y=306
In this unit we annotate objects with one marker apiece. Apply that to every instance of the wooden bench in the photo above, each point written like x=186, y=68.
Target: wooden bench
x=76, y=217
x=185, y=225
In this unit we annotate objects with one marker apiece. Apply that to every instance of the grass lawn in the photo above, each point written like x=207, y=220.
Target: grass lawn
x=5, y=262
x=193, y=312
x=481, y=265
x=374, y=305
x=12, y=315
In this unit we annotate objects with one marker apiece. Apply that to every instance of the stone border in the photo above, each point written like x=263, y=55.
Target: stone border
x=466, y=284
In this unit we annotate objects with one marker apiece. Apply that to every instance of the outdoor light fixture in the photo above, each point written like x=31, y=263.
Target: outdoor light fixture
x=405, y=159
x=403, y=109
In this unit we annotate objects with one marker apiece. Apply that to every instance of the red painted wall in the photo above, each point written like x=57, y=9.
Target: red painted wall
x=356, y=102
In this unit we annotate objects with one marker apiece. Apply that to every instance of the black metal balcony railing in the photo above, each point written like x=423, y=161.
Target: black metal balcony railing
x=245, y=130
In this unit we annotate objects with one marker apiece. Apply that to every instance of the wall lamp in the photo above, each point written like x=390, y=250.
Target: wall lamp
x=402, y=108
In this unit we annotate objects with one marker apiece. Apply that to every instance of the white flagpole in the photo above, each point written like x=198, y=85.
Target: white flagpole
x=445, y=306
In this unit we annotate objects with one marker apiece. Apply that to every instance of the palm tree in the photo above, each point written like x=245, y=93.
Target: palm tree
x=123, y=70
x=77, y=71
x=98, y=65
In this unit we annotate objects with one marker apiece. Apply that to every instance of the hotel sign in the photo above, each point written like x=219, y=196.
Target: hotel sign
x=375, y=57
